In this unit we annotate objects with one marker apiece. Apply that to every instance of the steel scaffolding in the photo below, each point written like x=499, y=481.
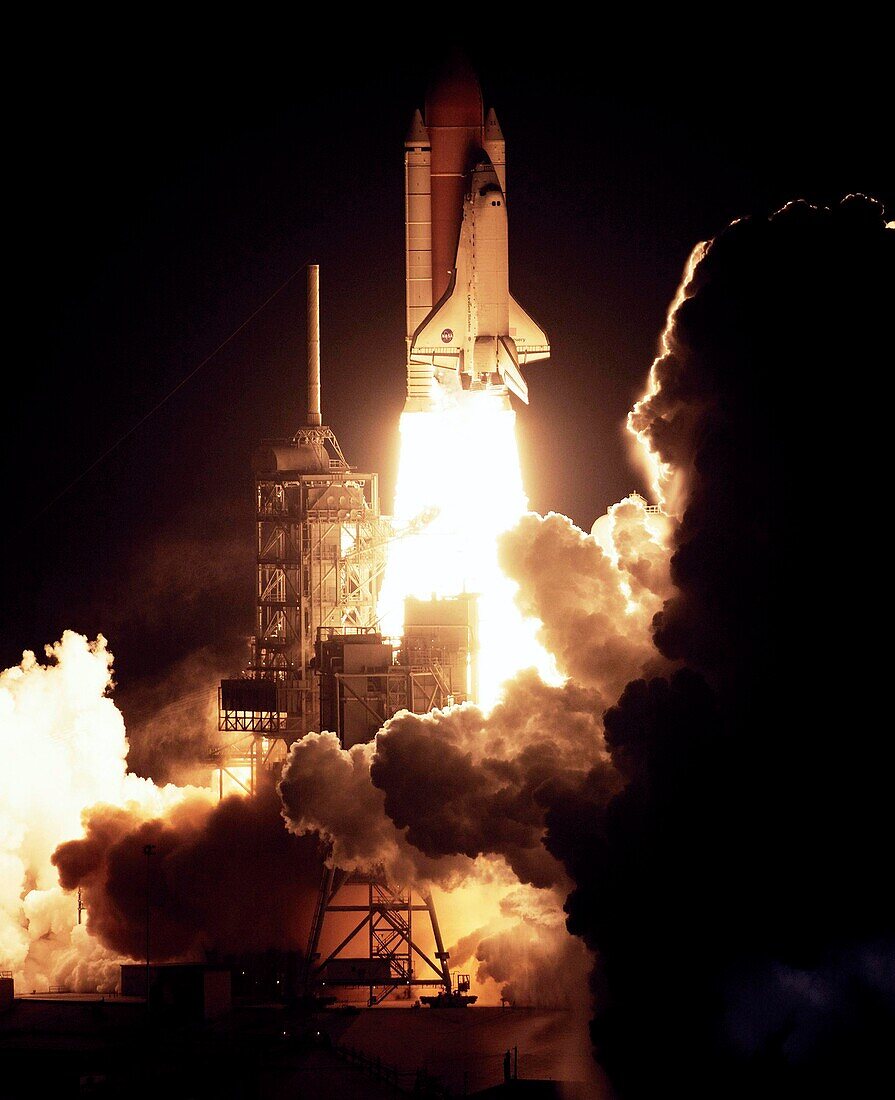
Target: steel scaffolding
x=394, y=959
x=320, y=554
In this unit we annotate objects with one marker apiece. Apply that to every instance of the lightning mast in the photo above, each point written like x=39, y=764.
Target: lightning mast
x=320, y=553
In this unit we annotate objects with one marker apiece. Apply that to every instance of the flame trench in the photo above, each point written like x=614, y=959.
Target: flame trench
x=459, y=488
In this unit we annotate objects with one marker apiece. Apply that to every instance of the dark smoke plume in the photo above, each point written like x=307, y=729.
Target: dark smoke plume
x=461, y=783
x=172, y=721
x=736, y=890
x=225, y=877
x=177, y=640
x=434, y=792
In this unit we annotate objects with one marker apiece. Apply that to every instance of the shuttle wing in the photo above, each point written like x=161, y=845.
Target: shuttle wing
x=531, y=340
x=508, y=369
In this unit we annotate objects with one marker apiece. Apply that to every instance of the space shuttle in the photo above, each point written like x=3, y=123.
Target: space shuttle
x=465, y=331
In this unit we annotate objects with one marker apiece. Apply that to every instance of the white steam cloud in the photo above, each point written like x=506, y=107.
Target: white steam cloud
x=63, y=747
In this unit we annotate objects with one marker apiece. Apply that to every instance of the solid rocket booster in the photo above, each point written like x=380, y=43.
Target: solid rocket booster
x=465, y=331
x=418, y=223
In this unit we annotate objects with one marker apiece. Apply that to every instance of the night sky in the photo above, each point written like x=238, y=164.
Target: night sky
x=161, y=198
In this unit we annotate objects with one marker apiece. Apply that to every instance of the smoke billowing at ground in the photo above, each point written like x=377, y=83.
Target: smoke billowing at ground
x=734, y=890
x=436, y=791
x=535, y=960
x=64, y=747
x=72, y=817
x=209, y=862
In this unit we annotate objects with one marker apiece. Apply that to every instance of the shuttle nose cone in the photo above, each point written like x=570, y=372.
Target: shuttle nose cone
x=454, y=97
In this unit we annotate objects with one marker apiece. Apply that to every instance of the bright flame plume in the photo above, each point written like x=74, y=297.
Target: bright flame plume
x=460, y=465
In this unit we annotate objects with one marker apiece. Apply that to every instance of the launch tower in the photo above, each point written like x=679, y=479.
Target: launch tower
x=320, y=546
x=319, y=662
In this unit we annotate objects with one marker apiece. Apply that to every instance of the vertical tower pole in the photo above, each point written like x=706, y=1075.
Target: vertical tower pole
x=314, y=418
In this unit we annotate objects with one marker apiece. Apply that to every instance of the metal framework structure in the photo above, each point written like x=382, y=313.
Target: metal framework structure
x=242, y=760
x=394, y=958
x=320, y=552
x=415, y=688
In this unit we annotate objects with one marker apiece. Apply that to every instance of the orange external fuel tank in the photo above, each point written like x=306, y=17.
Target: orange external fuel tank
x=454, y=119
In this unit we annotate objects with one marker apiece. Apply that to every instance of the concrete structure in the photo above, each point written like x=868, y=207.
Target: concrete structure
x=7, y=990
x=183, y=991
x=364, y=679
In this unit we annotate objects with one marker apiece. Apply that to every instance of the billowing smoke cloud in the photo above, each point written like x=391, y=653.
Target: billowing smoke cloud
x=209, y=862
x=461, y=782
x=172, y=722
x=735, y=891
x=535, y=961
x=594, y=594
x=326, y=790
x=455, y=796
x=63, y=747
x=434, y=792
x=72, y=817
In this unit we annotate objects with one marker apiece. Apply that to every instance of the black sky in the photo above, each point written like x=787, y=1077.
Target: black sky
x=161, y=196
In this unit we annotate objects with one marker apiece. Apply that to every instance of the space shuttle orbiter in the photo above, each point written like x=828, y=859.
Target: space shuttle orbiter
x=465, y=331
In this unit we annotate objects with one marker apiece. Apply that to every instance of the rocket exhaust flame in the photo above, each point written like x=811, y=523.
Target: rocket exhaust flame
x=460, y=463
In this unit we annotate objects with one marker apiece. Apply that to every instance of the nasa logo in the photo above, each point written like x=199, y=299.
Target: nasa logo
x=447, y=336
